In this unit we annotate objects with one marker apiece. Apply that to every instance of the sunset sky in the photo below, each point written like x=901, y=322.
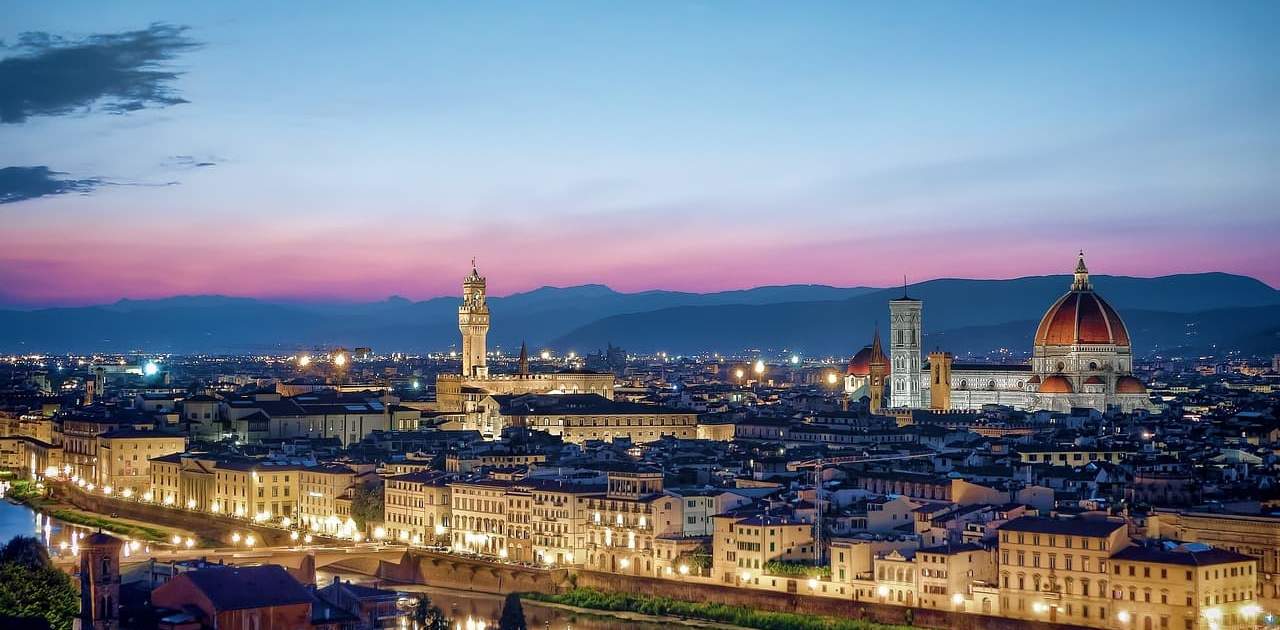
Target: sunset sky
x=355, y=151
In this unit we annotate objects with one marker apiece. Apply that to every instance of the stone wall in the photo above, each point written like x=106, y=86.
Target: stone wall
x=805, y=604
x=210, y=526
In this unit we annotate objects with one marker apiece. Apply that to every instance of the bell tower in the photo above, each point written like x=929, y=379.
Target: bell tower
x=877, y=369
x=100, y=582
x=904, y=352
x=473, y=322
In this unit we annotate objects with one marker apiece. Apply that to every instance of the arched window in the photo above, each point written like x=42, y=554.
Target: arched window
x=1093, y=365
x=106, y=566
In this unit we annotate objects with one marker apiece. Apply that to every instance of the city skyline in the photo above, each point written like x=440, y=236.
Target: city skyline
x=324, y=156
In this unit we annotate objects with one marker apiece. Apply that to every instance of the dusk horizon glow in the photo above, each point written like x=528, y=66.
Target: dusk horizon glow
x=308, y=155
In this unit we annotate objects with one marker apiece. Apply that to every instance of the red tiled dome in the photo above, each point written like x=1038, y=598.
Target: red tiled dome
x=860, y=364
x=1056, y=385
x=1130, y=385
x=1081, y=317
x=1093, y=380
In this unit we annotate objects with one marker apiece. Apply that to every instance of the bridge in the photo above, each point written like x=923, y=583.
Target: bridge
x=394, y=563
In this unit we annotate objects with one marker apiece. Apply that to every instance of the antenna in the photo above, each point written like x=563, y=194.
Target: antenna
x=904, y=285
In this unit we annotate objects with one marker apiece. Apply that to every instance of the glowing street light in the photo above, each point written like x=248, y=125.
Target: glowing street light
x=795, y=359
x=957, y=599
x=738, y=374
x=150, y=369
x=293, y=536
x=340, y=359
x=813, y=584
x=759, y=367
x=304, y=360
x=249, y=540
x=235, y=538
x=177, y=540
x=191, y=504
x=1124, y=616
x=684, y=569
x=190, y=542
x=307, y=539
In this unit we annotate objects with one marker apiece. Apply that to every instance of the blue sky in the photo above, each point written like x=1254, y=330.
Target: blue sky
x=360, y=150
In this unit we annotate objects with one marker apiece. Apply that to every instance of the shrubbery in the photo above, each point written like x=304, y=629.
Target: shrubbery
x=708, y=611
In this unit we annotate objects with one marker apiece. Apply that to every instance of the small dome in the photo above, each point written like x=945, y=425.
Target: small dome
x=1130, y=385
x=1056, y=384
x=860, y=364
x=1093, y=380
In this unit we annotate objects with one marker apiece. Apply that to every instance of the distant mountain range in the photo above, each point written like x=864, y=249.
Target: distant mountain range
x=1184, y=313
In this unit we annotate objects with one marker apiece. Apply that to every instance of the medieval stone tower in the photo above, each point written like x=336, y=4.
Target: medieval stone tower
x=473, y=322
x=100, y=582
x=877, y=369
x=940, y=380
x=904, y=352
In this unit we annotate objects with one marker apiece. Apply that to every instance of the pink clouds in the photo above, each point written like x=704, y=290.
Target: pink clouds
x=355, y=262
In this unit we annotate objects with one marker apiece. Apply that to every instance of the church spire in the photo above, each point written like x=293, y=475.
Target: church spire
x=1081, y=282
x=877, y=350
x=524, y=359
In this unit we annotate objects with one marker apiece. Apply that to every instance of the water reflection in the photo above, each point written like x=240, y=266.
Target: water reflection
x=60, y=538
x=481, y=611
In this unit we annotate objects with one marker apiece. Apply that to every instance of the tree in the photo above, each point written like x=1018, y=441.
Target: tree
x=26, y=551
x=366, y=505
x=425, y=616
x=31, y=587
x=512, y=614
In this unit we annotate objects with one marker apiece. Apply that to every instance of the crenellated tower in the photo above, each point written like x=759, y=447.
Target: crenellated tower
x=473, y=322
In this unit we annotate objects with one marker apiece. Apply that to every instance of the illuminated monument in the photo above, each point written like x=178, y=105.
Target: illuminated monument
x=463, y=391
x=1082, y=357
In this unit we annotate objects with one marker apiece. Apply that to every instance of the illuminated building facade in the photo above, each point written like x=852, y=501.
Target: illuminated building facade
x=465, y=390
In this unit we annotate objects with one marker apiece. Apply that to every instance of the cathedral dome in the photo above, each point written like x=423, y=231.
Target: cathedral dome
x=1081, y=317
x=860, y=364
x=1056, y=384
x=1093, y=380
x=1130, y=385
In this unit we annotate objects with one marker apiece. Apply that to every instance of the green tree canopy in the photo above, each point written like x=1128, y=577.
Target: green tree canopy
x=512, y=614
x=30, y=587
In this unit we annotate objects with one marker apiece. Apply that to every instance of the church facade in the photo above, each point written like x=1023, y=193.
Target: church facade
x=464, y=391
x=1082, y=357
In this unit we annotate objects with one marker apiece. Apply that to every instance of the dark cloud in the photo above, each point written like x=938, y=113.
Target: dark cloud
x=190, y=161
x=19, y=183
x=122, y=72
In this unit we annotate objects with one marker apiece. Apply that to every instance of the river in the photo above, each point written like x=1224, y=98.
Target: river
x=60, y=538
x=469, y=611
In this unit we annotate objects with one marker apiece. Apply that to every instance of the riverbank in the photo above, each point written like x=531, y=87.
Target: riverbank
x=26, y=493
x=726, y=615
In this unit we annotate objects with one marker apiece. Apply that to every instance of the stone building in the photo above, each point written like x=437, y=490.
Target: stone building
x=1082, y=357
x=464, y=391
